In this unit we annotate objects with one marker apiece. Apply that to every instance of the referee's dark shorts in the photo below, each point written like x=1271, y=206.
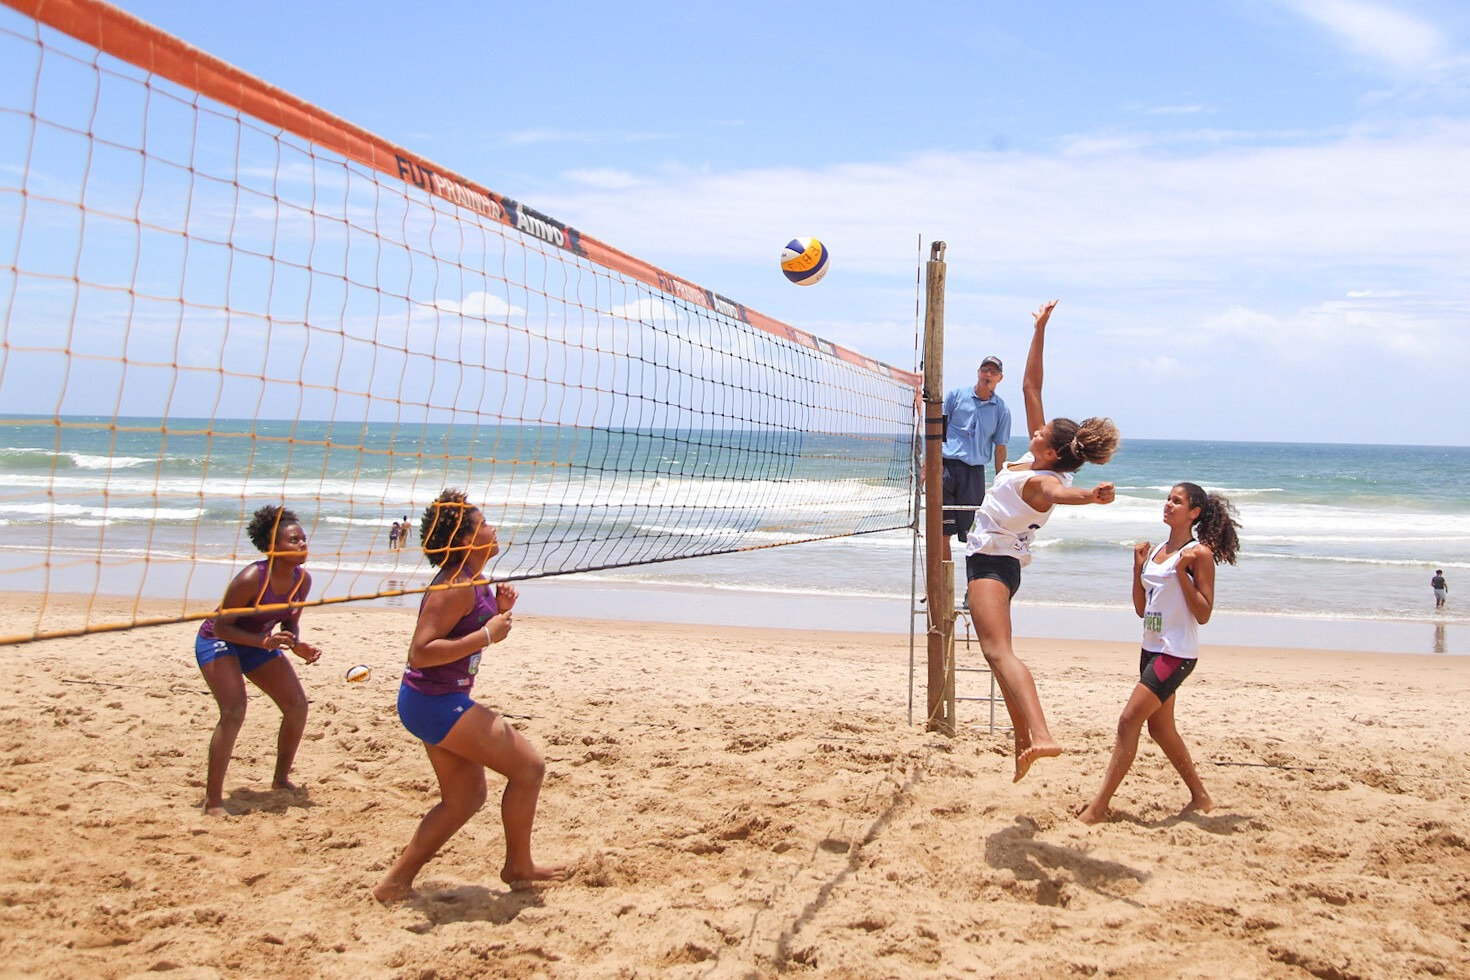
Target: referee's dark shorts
x=964, y=485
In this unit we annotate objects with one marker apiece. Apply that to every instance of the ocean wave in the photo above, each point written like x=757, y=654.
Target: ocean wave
x=1163, y=489
x=76, y=513
x=1357, y=560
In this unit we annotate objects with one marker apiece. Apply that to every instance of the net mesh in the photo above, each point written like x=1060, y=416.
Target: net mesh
x=207, y=309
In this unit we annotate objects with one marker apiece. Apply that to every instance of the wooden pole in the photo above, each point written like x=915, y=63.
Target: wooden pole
x=938, y=574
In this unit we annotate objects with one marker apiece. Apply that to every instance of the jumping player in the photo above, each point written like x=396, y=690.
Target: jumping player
x=233, y=646
x=1018, y=504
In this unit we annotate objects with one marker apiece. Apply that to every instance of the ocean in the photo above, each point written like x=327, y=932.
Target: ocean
x=1338, y=541
x=1338, y=544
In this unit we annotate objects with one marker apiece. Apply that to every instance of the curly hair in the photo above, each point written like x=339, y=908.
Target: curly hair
x=1216, y=524
x=266, y=523
x=445, y=524
x=1094, y=441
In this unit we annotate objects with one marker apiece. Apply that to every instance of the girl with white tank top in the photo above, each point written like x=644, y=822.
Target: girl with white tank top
x=1168, y=624
x=999, y=545
x=1174, y=592
x=1006, y=524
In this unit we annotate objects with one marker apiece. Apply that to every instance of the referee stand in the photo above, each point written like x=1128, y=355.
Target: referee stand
x=962, y=654
x=937, y=607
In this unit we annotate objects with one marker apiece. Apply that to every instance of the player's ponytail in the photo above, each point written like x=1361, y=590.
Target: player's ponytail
x=1216, y=525
x=1094, y=441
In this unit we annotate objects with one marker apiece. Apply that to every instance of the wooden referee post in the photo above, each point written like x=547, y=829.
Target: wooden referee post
x=938, y=574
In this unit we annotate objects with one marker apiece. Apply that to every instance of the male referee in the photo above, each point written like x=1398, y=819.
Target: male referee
x=979, y=426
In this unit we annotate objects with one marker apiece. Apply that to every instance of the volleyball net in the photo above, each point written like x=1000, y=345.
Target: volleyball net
x=215, y=296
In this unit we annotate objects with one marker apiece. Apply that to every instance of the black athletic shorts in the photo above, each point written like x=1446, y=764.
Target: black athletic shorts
x=1002, y=568
x=1163, y=673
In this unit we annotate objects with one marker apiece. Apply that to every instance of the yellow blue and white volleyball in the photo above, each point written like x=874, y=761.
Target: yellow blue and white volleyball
x=804, y=261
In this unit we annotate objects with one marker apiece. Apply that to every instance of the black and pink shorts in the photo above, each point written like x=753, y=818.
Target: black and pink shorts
x=1162, y=673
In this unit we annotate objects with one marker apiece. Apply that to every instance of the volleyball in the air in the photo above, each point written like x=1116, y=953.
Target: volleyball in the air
x=358, y=674
x=804, y=261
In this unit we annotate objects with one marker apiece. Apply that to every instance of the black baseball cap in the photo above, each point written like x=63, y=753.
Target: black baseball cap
x=992, y=359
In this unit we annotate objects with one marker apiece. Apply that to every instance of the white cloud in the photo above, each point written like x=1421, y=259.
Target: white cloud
x=1175, y=110
x=647, y=309
x=527, y=136
x=1378, y=31
x=479, y=305
x=1306, y=254
x=604, y=178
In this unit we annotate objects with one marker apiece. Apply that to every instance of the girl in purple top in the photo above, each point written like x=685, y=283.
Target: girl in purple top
x=458, y=619
x=235, y=645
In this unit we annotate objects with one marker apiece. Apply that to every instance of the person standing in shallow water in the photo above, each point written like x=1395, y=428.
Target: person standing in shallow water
x=233, y=646
x=1441, y=590
x=1174, y=592
x=459, y=619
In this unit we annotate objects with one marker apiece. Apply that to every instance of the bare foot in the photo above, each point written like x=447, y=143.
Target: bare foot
x=283, y=784
x=1199, y=804
x=1091, y=817
x=518, y=878
x=1024, y=760
x=215, y=810
x=388, y=891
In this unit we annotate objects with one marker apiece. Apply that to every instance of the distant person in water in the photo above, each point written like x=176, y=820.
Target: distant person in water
x=1021, y=500
x=459, y=619
x=1174, y=592
x=394, y=534
x=1441, y=590
x=234, y=645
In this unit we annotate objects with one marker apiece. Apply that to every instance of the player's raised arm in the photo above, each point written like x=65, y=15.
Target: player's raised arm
x=1031, y=383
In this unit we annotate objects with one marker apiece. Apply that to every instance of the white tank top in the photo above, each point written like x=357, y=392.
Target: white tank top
x=1168, y=625
x=1005, y=524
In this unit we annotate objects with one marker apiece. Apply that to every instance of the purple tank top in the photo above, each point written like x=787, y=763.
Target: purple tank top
x=460, y=674
x=264, y=622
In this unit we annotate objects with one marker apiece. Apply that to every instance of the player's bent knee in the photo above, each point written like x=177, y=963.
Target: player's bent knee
x=468, y=801
x=995, y=657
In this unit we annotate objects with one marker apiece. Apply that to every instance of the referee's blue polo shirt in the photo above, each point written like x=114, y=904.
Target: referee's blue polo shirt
x=975, y=426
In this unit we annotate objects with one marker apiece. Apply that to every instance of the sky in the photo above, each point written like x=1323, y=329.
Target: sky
x=1255, y=214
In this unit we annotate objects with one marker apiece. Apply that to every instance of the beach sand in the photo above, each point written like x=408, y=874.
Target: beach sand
x=738, y=802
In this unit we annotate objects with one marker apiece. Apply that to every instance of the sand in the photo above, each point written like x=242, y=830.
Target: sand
x=738, y=802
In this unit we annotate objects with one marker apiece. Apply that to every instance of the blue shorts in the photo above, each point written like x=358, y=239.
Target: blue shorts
x=206, y=650
x=429, y=717
x=1162, y=673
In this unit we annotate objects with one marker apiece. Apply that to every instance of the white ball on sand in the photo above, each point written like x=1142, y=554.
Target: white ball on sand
x=358, y=674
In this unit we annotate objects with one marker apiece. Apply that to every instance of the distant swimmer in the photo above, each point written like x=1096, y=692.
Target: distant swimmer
x=1441, y=590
